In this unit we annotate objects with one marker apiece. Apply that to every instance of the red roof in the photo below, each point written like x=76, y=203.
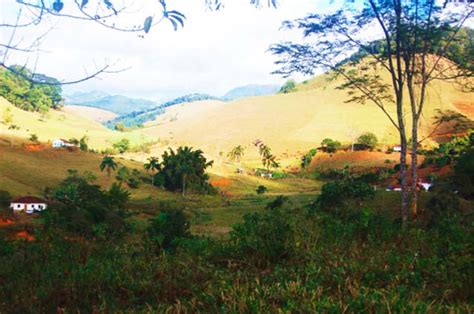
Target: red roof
x=28, y=200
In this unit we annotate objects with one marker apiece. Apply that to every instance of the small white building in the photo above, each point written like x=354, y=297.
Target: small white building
x=28, y=204
x=58, y=143
x=397, y=148
x=425, y=184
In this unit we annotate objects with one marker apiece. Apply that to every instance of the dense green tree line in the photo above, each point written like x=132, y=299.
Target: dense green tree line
x=29, y=96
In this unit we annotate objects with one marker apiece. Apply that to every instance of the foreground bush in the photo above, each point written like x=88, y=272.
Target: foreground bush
x=82, y=208
x=280, y=260
x=167, y=228
x=265, y=237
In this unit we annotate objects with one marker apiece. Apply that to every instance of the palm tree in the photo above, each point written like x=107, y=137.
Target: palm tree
x=152, y=165
x=268, y=159
x=108, y=164
x=184, y=166
x=236, y=153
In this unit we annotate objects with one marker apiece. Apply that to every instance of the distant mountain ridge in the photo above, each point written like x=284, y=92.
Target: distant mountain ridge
x=136, y=111
x=118, y=104
x=251, y=90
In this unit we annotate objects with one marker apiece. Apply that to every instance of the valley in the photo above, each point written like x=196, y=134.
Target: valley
x=277, y=157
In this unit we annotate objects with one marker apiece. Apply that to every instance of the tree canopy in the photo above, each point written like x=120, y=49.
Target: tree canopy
x=27, y=95
x=185, y=168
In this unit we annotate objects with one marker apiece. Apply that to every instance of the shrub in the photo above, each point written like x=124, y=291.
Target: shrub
x=124, y=175
x=83, y=143
x=335, y=194
x=5, y=198
x=288, y=87
x=267, y=237
x=166, y=228
x=442, y=205
x=82, y=208
x=261, y=189
x=464, y=175
x=368, y=139
x=34, y=138
x=330, y=145
x=307, y=158
x=122, y=146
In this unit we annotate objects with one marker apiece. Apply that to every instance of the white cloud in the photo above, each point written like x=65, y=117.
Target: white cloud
x=214, y=52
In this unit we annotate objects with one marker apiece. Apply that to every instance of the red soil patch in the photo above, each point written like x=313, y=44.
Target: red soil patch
x=6, y=222
x=358, y=159
x=425, y=172
x=24, y=235
x=221, y=182
x=34, y=147
x=465, y=107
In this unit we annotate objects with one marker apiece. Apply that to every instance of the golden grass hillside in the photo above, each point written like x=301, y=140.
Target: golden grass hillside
x=289, y=123
x=61, y=124
x=96, y=114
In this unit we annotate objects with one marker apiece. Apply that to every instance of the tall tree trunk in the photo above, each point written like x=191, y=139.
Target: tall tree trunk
x=403, y=157
x=403, y=177
x=184, y=185
x=414, y=169
x=152, y=179
x=108, y=178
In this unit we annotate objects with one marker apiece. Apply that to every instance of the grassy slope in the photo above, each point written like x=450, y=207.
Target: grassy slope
x=61, y=124
x=287, y=123
x=96, y=114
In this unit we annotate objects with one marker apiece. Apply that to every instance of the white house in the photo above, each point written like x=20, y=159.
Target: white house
x=28, y=204
x=425, y=184
x=397, y=148
x=58, y=143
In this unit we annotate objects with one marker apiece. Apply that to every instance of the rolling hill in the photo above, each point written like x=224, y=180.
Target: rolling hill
x=137, y=118
x=99, y=115
x=289, y=123
x=62, y=124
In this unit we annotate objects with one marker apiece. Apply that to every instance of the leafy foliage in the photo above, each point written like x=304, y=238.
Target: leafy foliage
x=330, y=145
x=447, y=153
x=267, y=236
x=261, y=189
x=5, y=199
x=464, y=171
x=288, y=87
x=368, y=139
x=152, y=165
x=308, y=157
x=26, y=95
x=236, y=153
x=268, y=159
x=336, y=194
x=82, y=208
x=122, y=146
x=167, y=228
x=184, y=168
x=130, y=177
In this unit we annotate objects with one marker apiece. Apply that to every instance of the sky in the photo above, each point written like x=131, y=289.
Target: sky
x=213, y=53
